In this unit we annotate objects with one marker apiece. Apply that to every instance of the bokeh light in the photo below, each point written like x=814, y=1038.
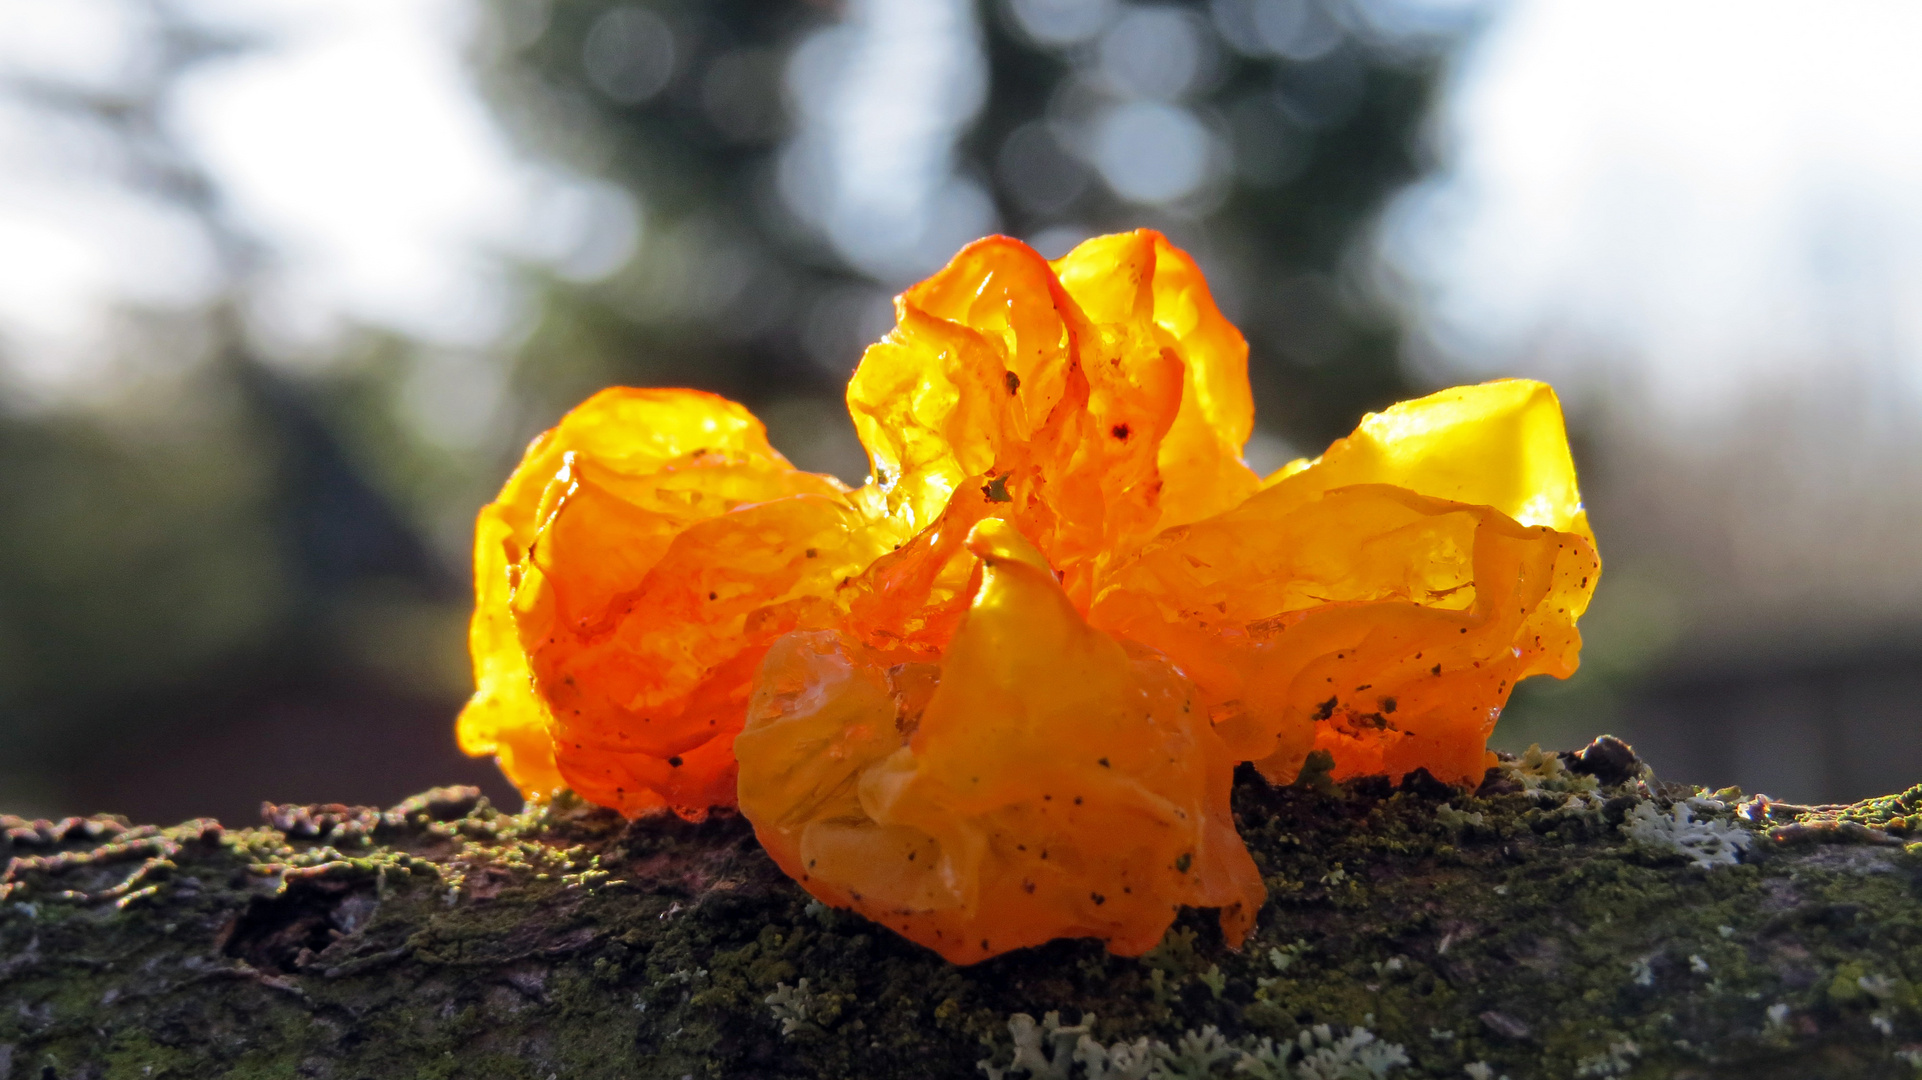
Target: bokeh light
x=283, y=289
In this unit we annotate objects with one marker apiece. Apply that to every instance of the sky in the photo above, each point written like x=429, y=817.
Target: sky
x=1687, y=202
x=361, y=150
x=1692, y=199
x=349, y=138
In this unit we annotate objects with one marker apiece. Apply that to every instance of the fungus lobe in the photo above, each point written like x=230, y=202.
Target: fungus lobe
x=996, y=695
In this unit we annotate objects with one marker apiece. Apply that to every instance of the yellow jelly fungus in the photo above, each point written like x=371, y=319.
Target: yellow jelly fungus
x=996, y=696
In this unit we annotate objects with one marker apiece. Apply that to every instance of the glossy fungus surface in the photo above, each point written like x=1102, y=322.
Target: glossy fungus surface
x=1043, y=780
x=628, y=579
x=996, y=696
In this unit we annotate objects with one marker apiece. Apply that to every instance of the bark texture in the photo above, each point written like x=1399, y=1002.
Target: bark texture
x=1572, y=918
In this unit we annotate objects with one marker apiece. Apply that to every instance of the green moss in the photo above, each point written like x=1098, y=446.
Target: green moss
x=1518, y=928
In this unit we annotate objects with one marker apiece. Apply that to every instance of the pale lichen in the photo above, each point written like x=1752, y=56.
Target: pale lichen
x=1120, y=1061
x=1545, y=771
x=1193, y=1056
x=794, y=1006
x=1615, y=1061
x=1457, y=820
x=1317, y=1053
x=1050, y=1049
x=1707, y=842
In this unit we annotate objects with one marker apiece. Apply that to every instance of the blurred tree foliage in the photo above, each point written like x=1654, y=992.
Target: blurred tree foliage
x=253, y=572
x=733, y=292
x=217, y=581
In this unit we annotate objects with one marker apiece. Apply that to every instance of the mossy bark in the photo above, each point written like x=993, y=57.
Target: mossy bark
x=444, y=938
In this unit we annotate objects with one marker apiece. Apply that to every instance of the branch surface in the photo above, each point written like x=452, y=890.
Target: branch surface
x=1572, y=917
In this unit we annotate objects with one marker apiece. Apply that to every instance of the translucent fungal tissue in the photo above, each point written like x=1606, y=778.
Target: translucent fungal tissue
x=996, y=696
x=1043, y=780
x=1379, y=602
x=628, y=580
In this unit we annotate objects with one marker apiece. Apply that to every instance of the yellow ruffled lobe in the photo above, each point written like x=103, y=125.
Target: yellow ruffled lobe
x=504, y=718
x=1501, y=444
x=1042, y=780
x=643, y=556
x=1382, y=602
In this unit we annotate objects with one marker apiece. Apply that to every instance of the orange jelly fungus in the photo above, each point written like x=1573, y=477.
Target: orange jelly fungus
x=628, y=580
x=997, y=695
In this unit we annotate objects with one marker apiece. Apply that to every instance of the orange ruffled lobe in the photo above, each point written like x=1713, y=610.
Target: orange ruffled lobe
x=1418, y=569
x=629, y=578
x=1043, y=780
x=1092, y=402
x=1083, y=421
x=1381, y=602
x=996, y=696
x=1030, y=425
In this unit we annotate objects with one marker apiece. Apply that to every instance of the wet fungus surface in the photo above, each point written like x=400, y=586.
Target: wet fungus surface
x=997, y=695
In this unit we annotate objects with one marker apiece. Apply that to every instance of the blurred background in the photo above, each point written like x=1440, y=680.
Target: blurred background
x=285, y=286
